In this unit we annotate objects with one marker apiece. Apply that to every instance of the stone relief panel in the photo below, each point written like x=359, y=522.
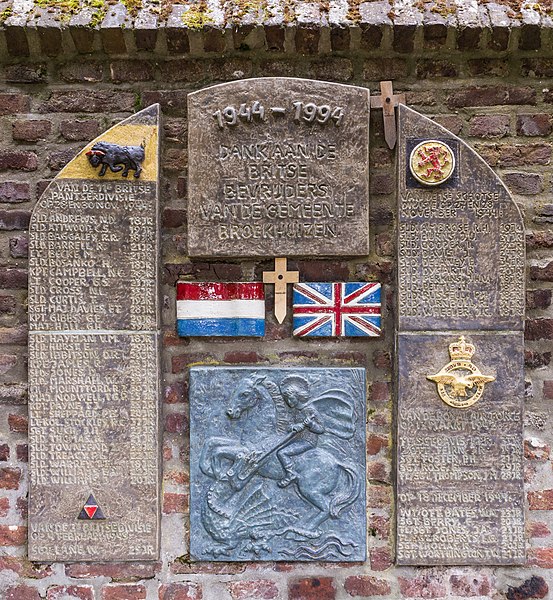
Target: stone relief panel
x=277, y=462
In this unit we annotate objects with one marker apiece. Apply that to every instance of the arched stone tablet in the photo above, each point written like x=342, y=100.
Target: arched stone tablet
x=460, y=355
x=278, y=167
x=93, y=363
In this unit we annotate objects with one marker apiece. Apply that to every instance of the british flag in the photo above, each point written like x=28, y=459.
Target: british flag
x=337, y=309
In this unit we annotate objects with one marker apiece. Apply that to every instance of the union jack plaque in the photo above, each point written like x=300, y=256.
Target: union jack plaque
x=337, y=309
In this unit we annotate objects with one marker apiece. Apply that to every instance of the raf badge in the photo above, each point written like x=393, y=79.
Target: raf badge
x=432, y=162
x=460, y=383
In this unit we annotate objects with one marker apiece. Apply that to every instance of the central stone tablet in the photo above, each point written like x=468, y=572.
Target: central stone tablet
x=277, y=464
x=278, y=167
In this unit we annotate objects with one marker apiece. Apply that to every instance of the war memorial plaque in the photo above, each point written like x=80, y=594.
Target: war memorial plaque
x=277, y=464
x=278, y=167
x=460, y=355
x=93, y=356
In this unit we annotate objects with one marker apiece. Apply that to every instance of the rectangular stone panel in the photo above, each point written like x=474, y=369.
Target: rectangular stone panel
x=93, y=431
x=278, y=167
x=94, y=256
x=460, y=498
x=277, y=464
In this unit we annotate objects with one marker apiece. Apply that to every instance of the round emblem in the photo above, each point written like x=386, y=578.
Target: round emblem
x=457, y=391
x=432, y=162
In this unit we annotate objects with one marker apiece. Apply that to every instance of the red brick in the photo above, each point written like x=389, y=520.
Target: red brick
x=427, y=586
x=542, y=273
x=4, y=452
x=380, y=558
x=7, y=361
x=469, y=585
x=7, y=305
x=538, y=329
x=9, y=478
x=174, y=503
x=379, y=391
x=22, y=452
x=77, y=130
x=22, y=506
x=432, y=68
x=14, y=192
x=534, y=587
x=527, y=184
x=451, y=122
x=515, y=155
x=379, y=526
x=538, y=299
x=535, y=360
x=242, y=356
x=340, y=38
x=170, y=100
x=173, y=218
x=80, y=71
x=365, y=586
x=540, y=557
x=382, y=359
x=175, y=392
x=177, y=40
x=19, y=160
x=123, y=592
x=404, y=38
x=176, y=477
x=176, y=423
x=535, y=449
x=228, y=68
x=260, y=589
x=537, y=67
x=14, y=335
x=489, y=126
x=24, y=568
x=19, y=246
x=435, y=36
x=31, y=130
x=214, y=40
x=488, y=67
x=371, y=36
x=538, y=529
x=14, y=219
x=375, y=69
x=4, y=507
x=468, y=38
x=378, y=471
x=13, y=535
x=307, y=40
x=491, y=96
x=382, y=184
x=58, y=159
x=181, y=362
x=180, y=591
x=534, y=124
x=529, y=37
x=312, y=588
x=385, y=244
x=89, y=101
x=330, y=68
x=14, y=103
x=174, y=159
x=376, y=443
x=541, y=500
x=379, y=496
x=26, y=73
x=70, y=592
x=18, y=423
x=118, y=571
x=22, y=592
x=131, y=71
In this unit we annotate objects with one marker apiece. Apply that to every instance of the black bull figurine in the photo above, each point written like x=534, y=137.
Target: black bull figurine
x=117, y=158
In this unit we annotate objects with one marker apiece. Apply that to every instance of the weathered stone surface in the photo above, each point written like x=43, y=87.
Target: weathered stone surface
x=461, y=271
x=244, y=504
x=461, y=244
x=93, y=359
x=460, y=480
x=278, y=167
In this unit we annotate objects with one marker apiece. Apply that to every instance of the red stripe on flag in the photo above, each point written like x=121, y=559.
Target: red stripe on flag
x=220, y=291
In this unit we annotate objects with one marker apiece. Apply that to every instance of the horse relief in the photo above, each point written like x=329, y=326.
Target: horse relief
x=277, y=464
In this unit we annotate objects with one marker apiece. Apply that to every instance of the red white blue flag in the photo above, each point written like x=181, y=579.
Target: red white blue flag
x=337, y=309
x=220, y=309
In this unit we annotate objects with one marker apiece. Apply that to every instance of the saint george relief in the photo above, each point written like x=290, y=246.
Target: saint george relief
x=277, y=464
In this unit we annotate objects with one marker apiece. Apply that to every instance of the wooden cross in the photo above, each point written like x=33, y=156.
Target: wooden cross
x=388, y=101
x=280, y=277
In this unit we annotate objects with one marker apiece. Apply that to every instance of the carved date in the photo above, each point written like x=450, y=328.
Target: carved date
x=231, y=115
x=323, y=113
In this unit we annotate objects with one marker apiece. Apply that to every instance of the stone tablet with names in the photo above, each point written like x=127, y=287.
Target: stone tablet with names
x=278, y=167
x=93, y=353
x=460, y=355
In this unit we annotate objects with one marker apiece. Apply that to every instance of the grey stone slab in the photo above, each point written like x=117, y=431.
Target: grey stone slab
x=246, y=425
x=460, y=244
x=93, y=430
x=278, y=167
x=93, y=352
x=460, y=498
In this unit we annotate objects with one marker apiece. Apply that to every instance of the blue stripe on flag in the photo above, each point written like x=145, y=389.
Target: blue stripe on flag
x=352, y=331
x=323, y=331
x=221, y=327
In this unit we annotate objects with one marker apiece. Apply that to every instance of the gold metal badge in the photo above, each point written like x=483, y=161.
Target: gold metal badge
x=460, y=383
x=432, y=162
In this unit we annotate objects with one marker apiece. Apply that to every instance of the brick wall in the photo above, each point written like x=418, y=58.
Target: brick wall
x=493, y=86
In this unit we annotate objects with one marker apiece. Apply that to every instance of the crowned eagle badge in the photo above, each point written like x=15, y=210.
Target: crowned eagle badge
x=460, y=383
